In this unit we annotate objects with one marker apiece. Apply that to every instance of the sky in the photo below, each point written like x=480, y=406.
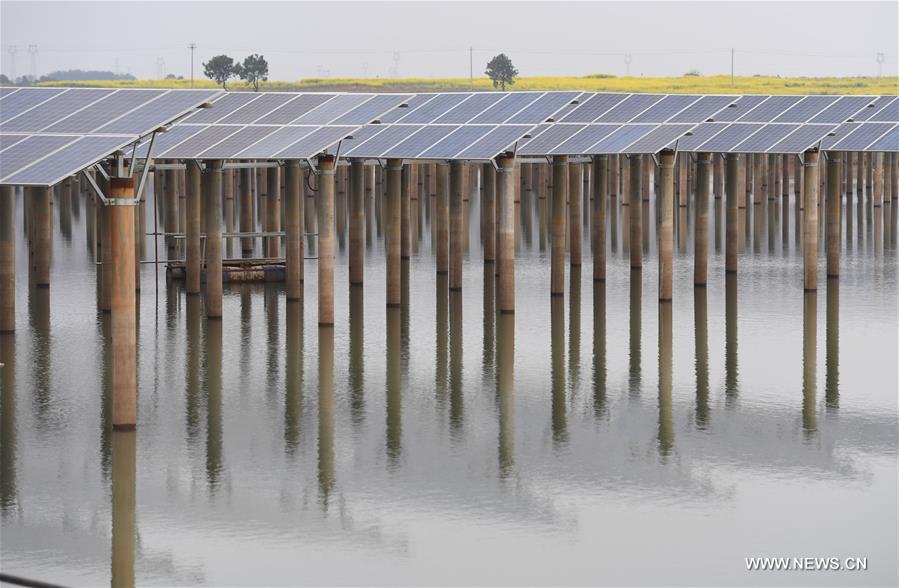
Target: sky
x=444, y=39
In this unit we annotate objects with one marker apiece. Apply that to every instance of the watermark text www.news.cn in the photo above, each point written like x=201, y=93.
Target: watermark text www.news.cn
x=806, y=564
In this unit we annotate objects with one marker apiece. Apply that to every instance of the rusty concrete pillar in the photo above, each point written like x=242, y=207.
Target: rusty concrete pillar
x=357, y=220
x=560, y=195
x=123, y=317
x=701, y=222
x=614, y=176
x=228, y=204
x=105, y=250
x=457, y=192
x=575, y=214
x=810, y=226
x=877, y=178
x=489, y=204
x=273, y=211
x=393, y=236
x=635, y=217
x=833, y=209
x=504, y=182
x=212, y=201
x=246, y=221
x=7, y=259
x=682, y=163
x=732, y=212
x=42, y=237
x=785, y=177
x=326, y=165
x=171, y=210
x=294, y=208
x=441, y=217
x=601, y=165
x=193, y=198
x=666, y=223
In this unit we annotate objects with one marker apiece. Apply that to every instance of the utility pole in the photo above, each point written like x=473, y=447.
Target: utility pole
x=192, y=48
x=32, y=55
x=732, y=67
x=880, y=59
x=628, y=58
x=11, y=49
x=471, y=67
x=160, y=68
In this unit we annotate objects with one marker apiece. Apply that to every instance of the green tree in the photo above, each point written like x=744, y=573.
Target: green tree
x=220, y=68
x=501, y=71
x=253, y=71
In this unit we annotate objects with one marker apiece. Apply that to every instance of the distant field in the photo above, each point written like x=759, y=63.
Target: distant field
x=597, y=83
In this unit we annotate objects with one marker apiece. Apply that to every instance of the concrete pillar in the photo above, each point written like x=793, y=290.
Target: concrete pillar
x=7, y=259
x=666, y=224
x=392, y=238
x=42, y=237
x=293, y=208
x=785, y=177
x=614, y=176
x=212, y=201
x=636, y=217
x=407, y=184
x=326, y=165
x=123, y=318
x=732, y=212
x=357, y=220
x=860, y=176
x=504, y=182
x=701, y=222
x=809, y=361
x=193, y=196
x=441, y=217
x=489, y=204
x=228, y=204
x=457, y=191
x=682, y=162
x=810, y=226
x=834, y=202
x=575, y=204
x=560, y=189
x=171, y=210
x=600, y=193
x=105, y=250
x=877, y=173
x=719, y=177
x=625, y=173
x=246, y=221
x=273, y=211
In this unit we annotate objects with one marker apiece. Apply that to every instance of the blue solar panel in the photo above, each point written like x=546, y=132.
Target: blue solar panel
x=766, y=138
x=803, y=138
x=418, y=141
x=161, y=110
x=24, y=153
x=433, y=109
x=629, y=108
x=593, y=107
x=294, y=109
x=583, y=140
x=256, y=109
x=741, y=106
x=51, y=111
x=543, y=108
x=470, y=108
x=700, y=135
x=497, y=141
x=413, y=103
x=701, y=110
x=863, y=135
x=102, y=111
x=889, y=113
x=169, y=139
x=837, y=135
x=455, y=142
x=887, y=142
x=729, y=138
x=381, y=142
x=619, y=140
x=665, y=108
x=806, y=109
x=554, y=135
x=371, y=110
x=234, y=144
x=332, y=109
x=199, y=142
x=72, y=158
x=842, y=110
x=17, y=103
x=274, y=143
x=770, y=109
x=664, y=136
x=319, y=140
x=228, y=103
x=506, y=108
x=876, y=106
x=10, y=140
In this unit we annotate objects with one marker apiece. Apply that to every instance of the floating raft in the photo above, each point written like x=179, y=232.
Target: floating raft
x=238, y=270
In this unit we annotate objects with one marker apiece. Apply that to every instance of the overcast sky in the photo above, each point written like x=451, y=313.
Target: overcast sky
x=432, y=39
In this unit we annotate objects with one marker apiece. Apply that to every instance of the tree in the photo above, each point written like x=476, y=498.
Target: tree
x=220, y=68
x=253, y=71
x=501, y=71
x=4, y=80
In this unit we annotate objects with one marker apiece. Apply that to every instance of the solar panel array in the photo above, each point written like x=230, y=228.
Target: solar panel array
x=49, y=133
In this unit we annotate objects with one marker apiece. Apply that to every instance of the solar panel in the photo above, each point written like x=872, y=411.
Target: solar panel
x=294, y=109
x=16, y=104
x=49, y=112
x=68, y=160
x=256, y=109
x=237, y=142
x=467, y=110
x=423, y=138
x=729, y=138
x=331, y=109
x=630, y=107
x=661, y=137
x=9, y=140
x=433, y=109
x=592, y=108
x=103, y=110
x=542, y=108
x=228, y=103
x=506, y=108
x=163, y=109
x=699, y=135
x=4, y=90
x=319, y=140
x=586, y=138
x=381, y=142
x=455, y=142
x=543, y=143
x=702, y=109
x=169, y=139
x=874, y=108
x=765, y=138
x=889, y=113
x=889, y=141
x=770, y=109
x=276, y=142
x=842, y=110
x=199, y=142
x=837, y=135
x=665, y=108
x=371, y=110
x=411, y=104
x=863, y=135
x=619, y=140
x=806, y=109
x=802, y=138
x=361, y=135
x=493, y=143
x=23, y=153
x=741, y=106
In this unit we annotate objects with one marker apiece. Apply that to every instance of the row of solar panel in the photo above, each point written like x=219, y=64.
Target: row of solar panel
x=94, y=110
x=47, y=159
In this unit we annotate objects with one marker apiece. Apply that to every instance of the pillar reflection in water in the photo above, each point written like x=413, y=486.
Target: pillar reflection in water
x=294, y=351
x=505, y=388
x=634, y=331
x=39, y=315
x=357, y=355
x=213, y=403
x=273, y=338
x=325, y=412
x=832, y=343
x=809, y=362
x=456, y=398
x=441, y=323
x=194, y=351
x=8, y=492
x=701, y=335
x=600, y=399
x=730, y=340
x=490, y=312
x=574, y=326
x=666, y=426
x=394, y=386
x=124, y=472
x=557, y=359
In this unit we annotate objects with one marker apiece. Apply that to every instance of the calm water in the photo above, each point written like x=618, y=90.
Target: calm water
x=592, y=439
